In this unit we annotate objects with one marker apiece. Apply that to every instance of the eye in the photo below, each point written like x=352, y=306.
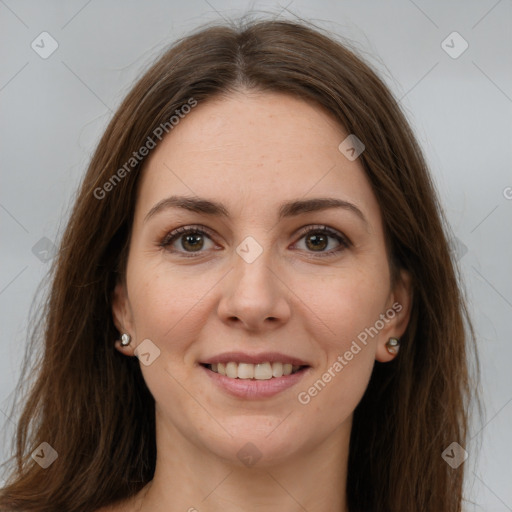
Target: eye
x=317, y=240
x=189, y=239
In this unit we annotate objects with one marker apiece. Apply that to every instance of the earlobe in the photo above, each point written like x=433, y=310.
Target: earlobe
x=121, y=313
x=401, y=304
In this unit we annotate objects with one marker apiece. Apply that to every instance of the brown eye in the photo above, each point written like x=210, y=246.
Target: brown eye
x=317, y=241
x=318, y=238
x=192, y=242
x=186, y=240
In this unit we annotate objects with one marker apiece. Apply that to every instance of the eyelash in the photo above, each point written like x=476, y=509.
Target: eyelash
x=186, y=230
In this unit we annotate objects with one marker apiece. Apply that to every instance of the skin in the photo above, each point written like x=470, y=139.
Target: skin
x=251, y=151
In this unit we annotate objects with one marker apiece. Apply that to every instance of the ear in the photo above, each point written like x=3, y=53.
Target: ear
x=397, y=315
x=123, y=317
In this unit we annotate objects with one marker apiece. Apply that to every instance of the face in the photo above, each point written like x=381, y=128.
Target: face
x=257, y=272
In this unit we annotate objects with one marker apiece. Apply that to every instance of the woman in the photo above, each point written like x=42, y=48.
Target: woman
x=259, y=232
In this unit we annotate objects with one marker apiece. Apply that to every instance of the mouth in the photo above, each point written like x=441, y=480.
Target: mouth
x=246, y=375
x=250, y=371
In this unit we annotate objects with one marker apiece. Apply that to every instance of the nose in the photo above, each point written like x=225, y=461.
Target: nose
x=254, y=297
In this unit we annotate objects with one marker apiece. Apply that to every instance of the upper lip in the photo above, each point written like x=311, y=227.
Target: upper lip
x=262, y=357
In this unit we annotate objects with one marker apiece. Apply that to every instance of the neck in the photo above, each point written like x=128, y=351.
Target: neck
x=192, y=479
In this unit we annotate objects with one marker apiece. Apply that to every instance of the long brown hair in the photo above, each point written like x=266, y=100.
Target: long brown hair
x=90, y=403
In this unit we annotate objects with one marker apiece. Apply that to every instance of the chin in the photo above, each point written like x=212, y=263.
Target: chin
x=256, y=442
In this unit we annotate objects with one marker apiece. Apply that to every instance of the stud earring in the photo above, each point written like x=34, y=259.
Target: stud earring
x=125, y=340
x=393, y=345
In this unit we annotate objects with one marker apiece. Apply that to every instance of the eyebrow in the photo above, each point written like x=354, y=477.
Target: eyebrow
x=286, y=210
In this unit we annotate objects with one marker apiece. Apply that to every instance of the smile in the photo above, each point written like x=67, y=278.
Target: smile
x=259, y=371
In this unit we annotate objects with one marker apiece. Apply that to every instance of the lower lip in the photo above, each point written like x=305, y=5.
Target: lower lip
x=252, y=388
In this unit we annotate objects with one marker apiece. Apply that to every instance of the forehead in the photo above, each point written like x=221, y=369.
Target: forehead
x=254, y=149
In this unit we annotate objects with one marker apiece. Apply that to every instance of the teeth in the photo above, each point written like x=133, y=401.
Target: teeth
x=277, y=369
x=232, y=370
x=245, y=371
x=261, y=371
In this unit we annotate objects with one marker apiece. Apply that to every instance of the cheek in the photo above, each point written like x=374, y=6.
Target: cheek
x=334, y=394
x=346, y=308
x=341, y=309
x=343, y=304
x=167, y=303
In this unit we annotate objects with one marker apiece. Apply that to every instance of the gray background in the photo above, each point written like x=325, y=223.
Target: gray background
x=55, y=109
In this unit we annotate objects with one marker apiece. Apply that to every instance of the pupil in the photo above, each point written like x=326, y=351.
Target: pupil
x=318, y=241
x=194, y=242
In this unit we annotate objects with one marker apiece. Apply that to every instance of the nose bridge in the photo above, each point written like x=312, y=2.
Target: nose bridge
x=254, y=293
x=253, y=267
